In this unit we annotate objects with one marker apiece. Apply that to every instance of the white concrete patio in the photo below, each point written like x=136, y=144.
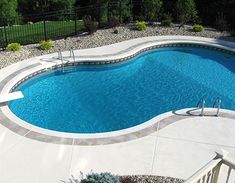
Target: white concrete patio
x=177, y=150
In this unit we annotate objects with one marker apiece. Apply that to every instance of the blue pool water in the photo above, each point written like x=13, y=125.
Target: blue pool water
x=98, y=99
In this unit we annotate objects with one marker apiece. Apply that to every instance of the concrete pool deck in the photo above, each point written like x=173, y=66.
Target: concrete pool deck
x=177, y=150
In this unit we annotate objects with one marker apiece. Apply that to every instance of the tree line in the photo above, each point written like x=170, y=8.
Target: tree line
x=209, y=12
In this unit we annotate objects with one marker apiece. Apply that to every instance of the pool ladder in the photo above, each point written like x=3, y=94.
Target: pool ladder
x=64, y=62
x=217, y=104
x=201, y=105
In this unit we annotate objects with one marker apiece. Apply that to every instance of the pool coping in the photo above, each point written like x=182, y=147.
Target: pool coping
x=15, y=74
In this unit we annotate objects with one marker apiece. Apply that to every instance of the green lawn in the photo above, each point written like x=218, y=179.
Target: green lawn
x=33, y=33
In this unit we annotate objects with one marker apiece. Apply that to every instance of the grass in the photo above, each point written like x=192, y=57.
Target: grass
x=33, y=33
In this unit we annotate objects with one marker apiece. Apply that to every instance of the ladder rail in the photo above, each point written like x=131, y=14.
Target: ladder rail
x=60, y=57
x=217, y=104
x=201, y=105
x=72, y=55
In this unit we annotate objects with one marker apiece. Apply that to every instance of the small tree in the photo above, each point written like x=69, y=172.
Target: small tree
x=8, y=12
x=152, y=9
x=186, y=10
x=125, y=10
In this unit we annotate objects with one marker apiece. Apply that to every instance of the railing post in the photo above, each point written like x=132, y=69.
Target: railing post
x=5, y=35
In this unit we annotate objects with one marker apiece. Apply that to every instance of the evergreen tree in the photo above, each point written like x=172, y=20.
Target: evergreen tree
x=8, y=11
x=152, y=9
x=186, y=10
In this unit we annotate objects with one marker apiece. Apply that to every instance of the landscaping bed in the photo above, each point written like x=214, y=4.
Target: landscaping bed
x=105, y=37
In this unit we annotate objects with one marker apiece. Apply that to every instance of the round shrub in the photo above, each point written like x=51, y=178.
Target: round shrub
x=90, y=24
x=13, y=47
x=166, y=22
x=115, y=31
x=100, y=178
x=198, y=28
x=46, y=45
x=140, y=26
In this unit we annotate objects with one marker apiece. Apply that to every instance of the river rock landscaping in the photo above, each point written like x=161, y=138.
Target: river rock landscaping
x=105, y=37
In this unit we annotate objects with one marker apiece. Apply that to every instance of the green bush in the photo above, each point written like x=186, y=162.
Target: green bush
x=198, y=28
x=115, y=31
x=221, y=22
x=186, y=11
x=100, y=178
x=113, y=22
x=152, y=9
x=90, y=24
x=13, y=47
x=140, y=26
x=46, y=45
x=166, y=20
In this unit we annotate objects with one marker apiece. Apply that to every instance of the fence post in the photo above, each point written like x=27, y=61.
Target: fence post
x=5, y=35
x=44, y=27
x=108, y=12
x=120, y=11
x=75, y=22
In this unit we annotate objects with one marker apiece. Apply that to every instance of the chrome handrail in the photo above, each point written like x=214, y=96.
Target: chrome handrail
x=201, y=105
x=72, y=55
x=60, y=57
x=217, y=104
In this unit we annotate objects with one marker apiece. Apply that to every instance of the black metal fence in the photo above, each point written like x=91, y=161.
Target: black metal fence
x=35, y=28
x=60, y=24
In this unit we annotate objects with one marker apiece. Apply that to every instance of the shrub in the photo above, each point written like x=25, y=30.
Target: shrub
x=186, y=10
x=166, y=20
x=100, y=178
x=140, y=26
x=90, y=24
x=220, y=22
x=124, y=10
x=13, y=47
x=152, y=9
x=198, y=28
x=115, y=31
x=45, y=45
x=113, y=22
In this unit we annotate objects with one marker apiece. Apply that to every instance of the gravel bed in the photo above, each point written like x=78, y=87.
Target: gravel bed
x=105, y=37
x=149, y=179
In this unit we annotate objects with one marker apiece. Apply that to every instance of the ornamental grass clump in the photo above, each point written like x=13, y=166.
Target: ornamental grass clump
x=13, y=47
x=140, y=26
x=45, y=45
x=198, y=28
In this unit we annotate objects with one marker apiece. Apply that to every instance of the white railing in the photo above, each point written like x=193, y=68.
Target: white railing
x=218, y=170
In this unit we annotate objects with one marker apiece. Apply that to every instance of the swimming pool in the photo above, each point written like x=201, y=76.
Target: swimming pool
x=96, y=99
